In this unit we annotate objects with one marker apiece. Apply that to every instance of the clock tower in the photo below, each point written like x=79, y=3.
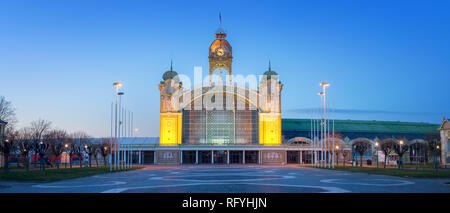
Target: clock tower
x=220, y=55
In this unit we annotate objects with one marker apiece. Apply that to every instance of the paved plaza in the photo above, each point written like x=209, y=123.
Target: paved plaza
x=232, y=179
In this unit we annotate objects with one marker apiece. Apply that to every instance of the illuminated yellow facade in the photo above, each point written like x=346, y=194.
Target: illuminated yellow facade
x=270, y=128
x=170, y=128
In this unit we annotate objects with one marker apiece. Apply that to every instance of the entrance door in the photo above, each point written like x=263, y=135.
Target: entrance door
x=220, y=157
x=251, y=156
x=204, y=157
x=149, y=157
x=188, y=157
x=293, y=156
x=236, y=157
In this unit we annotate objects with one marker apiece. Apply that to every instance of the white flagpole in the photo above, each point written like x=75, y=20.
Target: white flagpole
x=310, y=129
x=334, y=153
x=124, y=145
x=329, y=144
x=110, y=140
x=322, y=128
x=315, y=140
x=126, y=142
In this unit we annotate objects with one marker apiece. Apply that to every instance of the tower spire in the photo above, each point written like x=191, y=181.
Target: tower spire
x=220, y=19
x=171, y=65
x=270, y=69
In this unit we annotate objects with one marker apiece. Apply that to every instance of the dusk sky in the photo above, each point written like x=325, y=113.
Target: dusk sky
x=385, y=60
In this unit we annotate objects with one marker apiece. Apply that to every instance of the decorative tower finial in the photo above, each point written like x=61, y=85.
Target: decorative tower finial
x=270, y=69
x=171, y=65
x=220, y=18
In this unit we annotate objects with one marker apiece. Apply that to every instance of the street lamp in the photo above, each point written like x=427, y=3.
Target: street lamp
x=337, y=157
x=437, y=157
x=400, y=158
x=117, y=85
x=323, y=93
x=376, y=146
x=65, y=158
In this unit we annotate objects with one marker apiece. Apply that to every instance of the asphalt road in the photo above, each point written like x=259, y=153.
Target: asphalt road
x=232, y=179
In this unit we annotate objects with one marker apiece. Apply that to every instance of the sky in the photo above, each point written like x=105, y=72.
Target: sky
x=385, y=60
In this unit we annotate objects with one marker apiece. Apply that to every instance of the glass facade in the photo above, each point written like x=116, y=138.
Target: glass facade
x=238, y=125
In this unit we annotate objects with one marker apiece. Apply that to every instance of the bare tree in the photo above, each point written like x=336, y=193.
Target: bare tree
x=79, y=140
x=42, y=149
x=105, y=149
x=388, y=146
x=73, y=150
x=39, y=127
x=361, y=145
x=25, y=145
x=56, y=140
x=401, y=149
x=90, y=150
x=7, y=113
x=344, y=155
x=7, y=146
x=433, y=140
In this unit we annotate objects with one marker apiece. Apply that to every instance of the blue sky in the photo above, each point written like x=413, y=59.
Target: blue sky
x=385, y=60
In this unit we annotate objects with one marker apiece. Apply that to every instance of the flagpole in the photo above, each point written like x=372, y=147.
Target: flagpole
x=334, y=151
x=110, y=140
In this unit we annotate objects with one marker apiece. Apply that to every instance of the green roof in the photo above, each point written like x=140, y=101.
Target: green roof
x=289, y=124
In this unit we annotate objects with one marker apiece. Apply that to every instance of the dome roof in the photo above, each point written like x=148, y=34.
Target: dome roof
x=269, y=73
x=169, y=75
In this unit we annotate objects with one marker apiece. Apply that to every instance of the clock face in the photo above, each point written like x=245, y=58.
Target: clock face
x=220, y=51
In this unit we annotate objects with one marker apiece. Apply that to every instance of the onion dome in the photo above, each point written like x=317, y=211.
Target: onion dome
x=269, y=73
x=170, y=74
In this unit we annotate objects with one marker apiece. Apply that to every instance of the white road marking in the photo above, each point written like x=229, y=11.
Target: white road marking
x=399, y=182
x=113, y=183
x=328, y=189
x=183, y=177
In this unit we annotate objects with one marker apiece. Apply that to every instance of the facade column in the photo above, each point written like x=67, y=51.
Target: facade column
x=181, y=156
x=260, y=156
x=228, y=156
x=139, y=157
x=301, y=157
x=196, y=156
x=243, y=157
x=212, y=156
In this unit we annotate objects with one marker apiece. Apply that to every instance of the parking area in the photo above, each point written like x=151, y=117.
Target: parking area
x=232, y=179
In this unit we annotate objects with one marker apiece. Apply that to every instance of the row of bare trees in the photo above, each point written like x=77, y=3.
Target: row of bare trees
x=397, y=146
x=42, y=142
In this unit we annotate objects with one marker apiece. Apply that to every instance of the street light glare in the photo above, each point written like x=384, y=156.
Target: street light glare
x=324, y=84
x=117, y=84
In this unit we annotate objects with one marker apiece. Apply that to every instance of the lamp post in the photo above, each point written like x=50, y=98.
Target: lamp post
x=337, y=156
x=436, y=165
x=65, y=149
x=376, y=148
x=400, y=158
x=325, y=136
x=117, y=85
